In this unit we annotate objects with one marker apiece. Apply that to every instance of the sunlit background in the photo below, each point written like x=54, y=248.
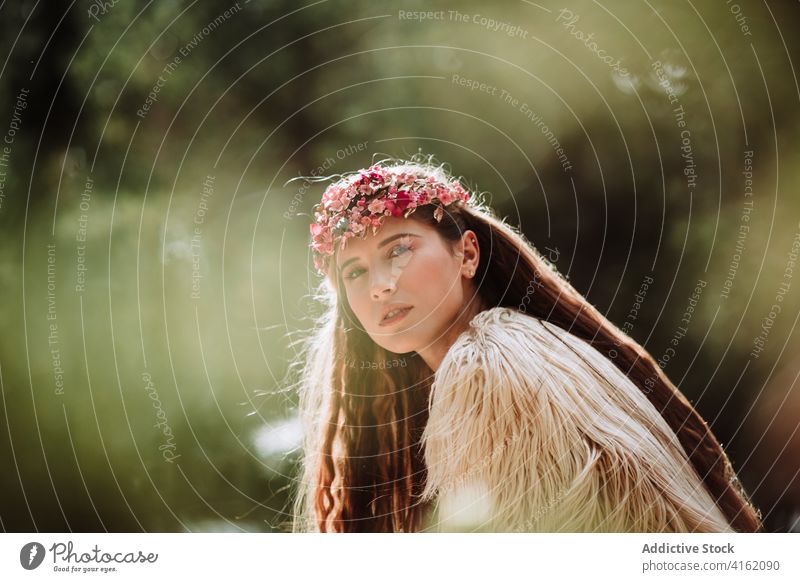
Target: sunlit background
x=153, y=257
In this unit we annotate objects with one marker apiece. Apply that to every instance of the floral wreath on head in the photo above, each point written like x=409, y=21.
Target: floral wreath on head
x=362, y=200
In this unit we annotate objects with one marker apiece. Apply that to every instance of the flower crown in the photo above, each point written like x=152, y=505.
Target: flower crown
x=362, y=200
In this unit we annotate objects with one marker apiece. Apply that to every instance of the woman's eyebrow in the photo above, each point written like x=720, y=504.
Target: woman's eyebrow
x=381, y=244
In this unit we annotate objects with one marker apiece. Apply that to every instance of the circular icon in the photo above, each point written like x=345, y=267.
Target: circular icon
x=31, y=555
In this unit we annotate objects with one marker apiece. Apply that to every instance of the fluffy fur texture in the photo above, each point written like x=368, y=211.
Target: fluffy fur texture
x=532, y=429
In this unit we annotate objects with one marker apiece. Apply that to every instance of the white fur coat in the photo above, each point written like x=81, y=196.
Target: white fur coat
x=532, y=429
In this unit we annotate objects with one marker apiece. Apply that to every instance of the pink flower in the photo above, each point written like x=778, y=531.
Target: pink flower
x=404, y=198
x=356, y=227
x=446, y=198
x=334, y=205
x=321, y=233
x=392, y=208
x=376, y=206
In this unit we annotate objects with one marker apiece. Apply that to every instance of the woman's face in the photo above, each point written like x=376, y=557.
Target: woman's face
x=406, y=264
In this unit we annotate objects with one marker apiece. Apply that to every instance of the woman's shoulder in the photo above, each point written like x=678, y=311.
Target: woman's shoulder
x=505, y=347
x=509, y=331
x=527, y=360
x=508, y=320
x=498, y=320
x=535, y=418
x=499, y=315
x=519, y=353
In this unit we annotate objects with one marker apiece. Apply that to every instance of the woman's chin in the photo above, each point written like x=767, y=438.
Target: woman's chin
x=397, y=348
x=396, y=345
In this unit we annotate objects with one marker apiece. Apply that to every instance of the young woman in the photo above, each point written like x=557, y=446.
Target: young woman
x=457, y=381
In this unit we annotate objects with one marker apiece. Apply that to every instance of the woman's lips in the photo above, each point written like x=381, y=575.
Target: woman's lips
x=396, y=318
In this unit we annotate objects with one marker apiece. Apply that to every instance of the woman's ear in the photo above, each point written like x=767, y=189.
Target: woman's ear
x=471, y=253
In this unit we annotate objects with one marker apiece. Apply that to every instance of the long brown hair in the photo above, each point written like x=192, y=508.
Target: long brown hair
x=364, y=409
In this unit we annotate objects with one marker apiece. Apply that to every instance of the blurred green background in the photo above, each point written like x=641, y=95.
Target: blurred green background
x=153, y=260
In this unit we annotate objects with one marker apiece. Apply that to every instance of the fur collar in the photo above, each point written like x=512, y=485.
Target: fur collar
x=532, y=429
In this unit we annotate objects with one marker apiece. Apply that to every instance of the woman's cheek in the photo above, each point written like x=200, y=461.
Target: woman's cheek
x=419, y=272
x=358, y=303
x=431, y=282
x=400, y=264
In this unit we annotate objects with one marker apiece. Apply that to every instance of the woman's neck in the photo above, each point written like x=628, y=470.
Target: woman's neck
x=435, y=353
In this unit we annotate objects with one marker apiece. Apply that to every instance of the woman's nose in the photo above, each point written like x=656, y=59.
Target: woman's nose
x=384, y=283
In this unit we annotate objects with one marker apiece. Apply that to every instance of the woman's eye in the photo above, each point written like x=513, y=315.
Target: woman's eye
x=396, y=251
x=403, y=247
x=353, y=274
